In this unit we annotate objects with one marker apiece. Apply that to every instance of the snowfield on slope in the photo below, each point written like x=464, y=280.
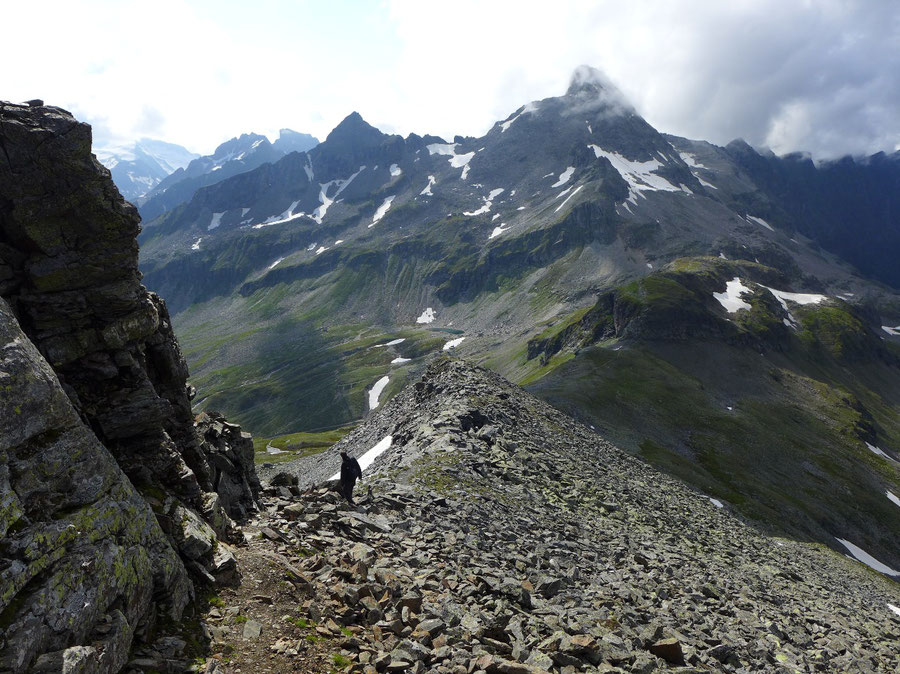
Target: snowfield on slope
x=386, y=204
x=488, y=202
x=861, y=555
x=376, y=390
x=427, y=316
x=760, y=221
x=528, y=107
x=453, y=343
x=639, y=175
x=564, y=177
x=393, y=342
x=731, y=298
x=456, y=160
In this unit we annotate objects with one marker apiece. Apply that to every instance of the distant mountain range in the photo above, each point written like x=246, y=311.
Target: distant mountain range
x=138, y=168
x=157, y=176
x=729, y=315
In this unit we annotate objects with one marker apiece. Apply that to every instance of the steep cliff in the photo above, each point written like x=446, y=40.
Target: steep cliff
x=82, y=558
x=68, y=269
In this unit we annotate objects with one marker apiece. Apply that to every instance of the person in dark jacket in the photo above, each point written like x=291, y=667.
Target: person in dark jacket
x=350, y=473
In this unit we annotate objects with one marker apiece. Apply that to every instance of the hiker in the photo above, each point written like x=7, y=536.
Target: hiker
x=350, y=472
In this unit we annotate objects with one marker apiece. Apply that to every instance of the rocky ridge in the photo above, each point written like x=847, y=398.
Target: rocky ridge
x=498, y=535
x=68, y=271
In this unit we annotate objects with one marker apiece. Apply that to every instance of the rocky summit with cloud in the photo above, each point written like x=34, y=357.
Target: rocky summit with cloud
x=701, y=476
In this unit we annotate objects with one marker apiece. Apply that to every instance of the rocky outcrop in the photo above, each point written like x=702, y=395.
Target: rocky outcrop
x=68, y=269
x=84, y=566
x=496, y=534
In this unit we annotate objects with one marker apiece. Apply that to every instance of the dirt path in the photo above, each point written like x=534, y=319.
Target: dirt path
x=260, y=626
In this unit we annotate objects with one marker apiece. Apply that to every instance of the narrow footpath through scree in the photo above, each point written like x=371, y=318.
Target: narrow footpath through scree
x=261, y=626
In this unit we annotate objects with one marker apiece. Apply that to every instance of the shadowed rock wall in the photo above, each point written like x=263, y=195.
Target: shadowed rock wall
x=68, y=270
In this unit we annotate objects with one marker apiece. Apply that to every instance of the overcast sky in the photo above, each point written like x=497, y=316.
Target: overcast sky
x=821, y=75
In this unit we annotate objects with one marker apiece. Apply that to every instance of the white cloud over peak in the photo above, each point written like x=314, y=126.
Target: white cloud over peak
x=819, y=76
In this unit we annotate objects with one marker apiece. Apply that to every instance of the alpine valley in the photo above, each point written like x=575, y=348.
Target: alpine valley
x=671, y=442
x=728, y=315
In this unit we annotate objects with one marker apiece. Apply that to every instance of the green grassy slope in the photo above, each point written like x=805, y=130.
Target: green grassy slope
x=772, y=419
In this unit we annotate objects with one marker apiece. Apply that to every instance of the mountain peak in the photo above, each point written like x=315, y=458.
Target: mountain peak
x=294, y=141
x=589, y=84
x=356, y=128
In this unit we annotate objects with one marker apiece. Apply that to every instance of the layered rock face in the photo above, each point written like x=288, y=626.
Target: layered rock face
x=68, y=269
x=82, y=556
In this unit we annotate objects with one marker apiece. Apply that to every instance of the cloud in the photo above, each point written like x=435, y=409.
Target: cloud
x=151, y=122
x=819, y=76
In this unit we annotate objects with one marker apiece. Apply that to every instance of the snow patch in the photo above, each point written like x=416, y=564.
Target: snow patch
x=287, y=216
x=325, y=200
x=705, y=184
x=369, y=457
x=649, y=266
x=427, y=316
x=639, y=175
x=321, y=249
x=867, y=559
x=498, y=230
x=760, y=221
x=893, y=498
x=488, y=202
x=427, y=190
x=529, y=107
x=449, y=149
x=309, y=169
x=442, y=148
x=453, y=343
x=878, y=451
x=691, y=160
x=393, y=342
x=376, y=390
x=461, y=160
x=274, y=450
x=893, y=608
x=891, y=331
x=574, y=192
x=784, y=297
x=395, y=170
x=275, y=264
x=385, y=205
x=731, y=298
x=196, y=245
x=564, y=177
x=339, y=241
x=216, y=219
x=798, y=298
x=399, y=360
x=716, y=502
